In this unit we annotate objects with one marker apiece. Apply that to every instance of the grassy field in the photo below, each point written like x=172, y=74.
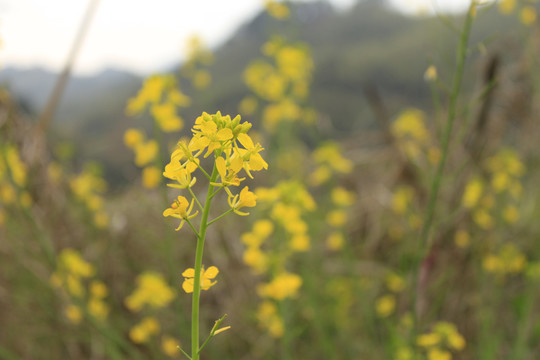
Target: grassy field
x=259, y=236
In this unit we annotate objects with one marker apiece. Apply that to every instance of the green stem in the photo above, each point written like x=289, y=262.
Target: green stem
x=198, y=266
x=220, y=216
x=424, y=245
x=195, y=198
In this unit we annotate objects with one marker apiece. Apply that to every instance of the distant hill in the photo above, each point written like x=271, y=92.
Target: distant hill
x=368, y=45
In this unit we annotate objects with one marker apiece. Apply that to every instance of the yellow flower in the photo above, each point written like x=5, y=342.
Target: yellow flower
x=263, y=228
x=395, y=282
x=336, y=218
x=267, y=315
x=404, y=353
x=438, y=354
x=342, y=197
x=245, y=199
x=431, y=73
x=462, y=238
x=285, y=285
x=410, y=123
x=141, y=332
x=146, y=152
x=202, y=79
x=71, y=262
x=74, y=314
x=507, y=6
x=402, y=199
x=528, y=15
x=385, y=305
x=175, y=170
x=248, y=105
x=133, y=137
x=98, y=309
x=252, y=159
x=151, y=177
x=300, y=242
x=206, y=278
x=473, y=192
x=428, y=340
x=98, y=289
x=152, y=290
x=511, y=214
x=335, y=241
x=483, y=219
x=169, y=345
x=208, y=135
x=228, y=172
x=256, y=259
x=166, y=117
x=277, y=9
x=181, y=209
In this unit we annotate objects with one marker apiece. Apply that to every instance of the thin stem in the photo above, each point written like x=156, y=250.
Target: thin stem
x=193, y=228
x=203, y=171
x=198, y=267
x=424, y=245
x=212, y=332
x=195, y=198
x=220, y=216
x=216, y=192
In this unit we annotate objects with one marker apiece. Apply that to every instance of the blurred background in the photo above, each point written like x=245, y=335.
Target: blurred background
x=380, y=231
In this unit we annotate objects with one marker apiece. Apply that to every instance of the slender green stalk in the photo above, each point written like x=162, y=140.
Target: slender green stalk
x=221, y=216
x=198, y=267
x=424, y=244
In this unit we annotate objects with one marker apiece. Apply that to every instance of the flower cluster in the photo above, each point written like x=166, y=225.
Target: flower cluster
x=88, y=187
x=75, y=277
x=198, y=57
x=386, y=304
x=152, y=291
x=233, y=152
x=336, y=219
x=503, y=187
x=413, y=138
x=161, y=95
x=525, y=8
x=509, y=260
x=282, y=81
x=13, y=180
x=285, y=205
x=329, y=162
x=276, y=9
x=439, y=343
x=404, y=204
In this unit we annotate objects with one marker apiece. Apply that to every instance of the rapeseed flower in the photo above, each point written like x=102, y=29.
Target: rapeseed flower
x=181, y=209
x=246, y=198
x=152, y=291
x=284, y=285
x=206, y=278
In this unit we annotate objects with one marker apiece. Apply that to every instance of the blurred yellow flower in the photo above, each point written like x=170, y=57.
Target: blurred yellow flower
x=277, y=9
x=169, y=346
x=528, y=15
x=284, y=285
x=151, y=177
x=385, y=305
x=152, y=290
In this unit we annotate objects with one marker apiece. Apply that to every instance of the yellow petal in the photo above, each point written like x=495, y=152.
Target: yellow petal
x=187, y=285
x=189, y=273
x=246, y=141
x=224, y=134
x=211, y=272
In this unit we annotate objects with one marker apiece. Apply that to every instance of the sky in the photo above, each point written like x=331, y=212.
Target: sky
x=141, y=36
